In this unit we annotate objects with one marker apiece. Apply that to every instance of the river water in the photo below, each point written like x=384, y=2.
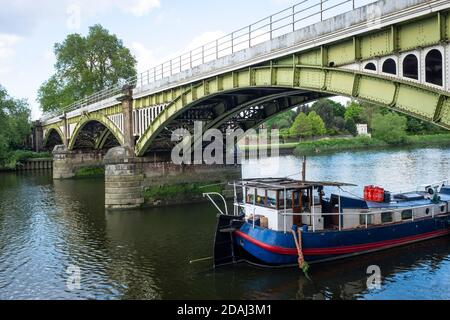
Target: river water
x=49, y=226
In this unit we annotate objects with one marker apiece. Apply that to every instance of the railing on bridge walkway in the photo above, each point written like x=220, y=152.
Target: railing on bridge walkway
x=300, y=15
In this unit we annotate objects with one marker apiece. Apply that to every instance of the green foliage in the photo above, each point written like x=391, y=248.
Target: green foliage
x=282, y=121
x=354, y=112
x=390, y=128
x=85, y=65
x=336, y=145
x=350, y=126
x=302, y=126
x=186, y=190
x=15, y=126
x=13, y=158
x=317, y=124
x=90, y=172
x=328, y=110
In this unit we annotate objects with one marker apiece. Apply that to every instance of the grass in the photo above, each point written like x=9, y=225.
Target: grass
x=179, y=191
x=90, y=172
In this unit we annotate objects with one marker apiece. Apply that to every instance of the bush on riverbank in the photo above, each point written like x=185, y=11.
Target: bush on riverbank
x=363, y=143
x=90, y=172
x=13, y=158
x=187, y=191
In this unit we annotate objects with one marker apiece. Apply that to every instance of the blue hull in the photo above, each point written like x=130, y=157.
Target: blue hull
x=277, y=248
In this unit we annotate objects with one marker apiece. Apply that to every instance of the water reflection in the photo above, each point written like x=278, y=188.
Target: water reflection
x=46, y=226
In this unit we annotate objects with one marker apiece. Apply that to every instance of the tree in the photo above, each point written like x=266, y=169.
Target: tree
x=317, y=124
x=281, y=121
x=355, y=112
x=390, y=128
x=328, y=110
x=14, y=124
x=350, y=126
x=302, y=126
x=85, y=65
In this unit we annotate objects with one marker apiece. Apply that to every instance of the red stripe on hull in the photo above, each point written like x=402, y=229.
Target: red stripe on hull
x=342, y=250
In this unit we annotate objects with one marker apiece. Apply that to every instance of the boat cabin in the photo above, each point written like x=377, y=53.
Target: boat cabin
x=279, y=204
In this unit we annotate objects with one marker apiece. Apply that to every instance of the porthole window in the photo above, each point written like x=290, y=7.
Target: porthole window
x=370, y=66
x=411, y=67
x=390, y=67
x=433, y=67
x=443, y=209
x=427, y=211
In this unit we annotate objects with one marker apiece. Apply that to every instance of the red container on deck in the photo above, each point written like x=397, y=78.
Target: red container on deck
x=374, y=194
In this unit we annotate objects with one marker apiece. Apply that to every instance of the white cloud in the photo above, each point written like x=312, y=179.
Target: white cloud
x=138, y=8
x=141, y=7
x=203, y=39
x=8, y=43
x=145, y=57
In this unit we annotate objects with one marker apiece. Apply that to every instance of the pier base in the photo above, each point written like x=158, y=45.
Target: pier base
x=66, y=163
x=123, y=180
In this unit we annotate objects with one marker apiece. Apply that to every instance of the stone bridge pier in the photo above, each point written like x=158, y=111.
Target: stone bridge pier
x=66, y=163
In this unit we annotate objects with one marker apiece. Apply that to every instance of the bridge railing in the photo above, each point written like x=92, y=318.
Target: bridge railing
x=300, y=15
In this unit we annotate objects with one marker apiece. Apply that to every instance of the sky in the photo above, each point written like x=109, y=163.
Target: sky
x=154, y=30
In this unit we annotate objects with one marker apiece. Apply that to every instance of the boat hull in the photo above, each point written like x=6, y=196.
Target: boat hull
x=275, y=248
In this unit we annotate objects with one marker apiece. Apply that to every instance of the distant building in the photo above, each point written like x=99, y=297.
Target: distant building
x=362, y=129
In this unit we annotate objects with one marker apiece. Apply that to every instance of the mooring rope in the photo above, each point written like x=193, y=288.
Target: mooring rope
x=302, y=264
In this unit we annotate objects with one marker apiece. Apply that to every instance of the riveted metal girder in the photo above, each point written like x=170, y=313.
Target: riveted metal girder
x=95, y=117
x=412, y=98
x=53, y=128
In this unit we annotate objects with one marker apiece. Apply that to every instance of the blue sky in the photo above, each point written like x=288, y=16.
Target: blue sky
x=154, y=30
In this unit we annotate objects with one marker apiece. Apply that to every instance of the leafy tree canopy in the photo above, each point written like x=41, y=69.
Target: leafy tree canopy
x=355, y=112
x=85, y=65
x=282, y=121
x=390, y=128
x=317, y=124
x=14, y=123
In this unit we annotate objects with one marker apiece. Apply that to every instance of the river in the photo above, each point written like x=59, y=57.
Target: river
x=48, y=226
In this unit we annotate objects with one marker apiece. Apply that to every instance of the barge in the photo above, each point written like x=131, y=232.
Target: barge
x=281, y=222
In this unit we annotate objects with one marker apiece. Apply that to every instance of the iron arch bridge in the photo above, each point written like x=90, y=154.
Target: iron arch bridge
x=394, y=54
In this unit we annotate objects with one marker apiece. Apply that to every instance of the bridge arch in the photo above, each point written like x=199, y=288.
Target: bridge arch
x=412, y=98
x=108, y=130
x=53, y=137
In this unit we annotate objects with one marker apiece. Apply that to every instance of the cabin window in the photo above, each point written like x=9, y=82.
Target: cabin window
x=272, y=199
x=390, y=66
x=387, y=217
x=251, y=195
x=411, y=67
x=288, y=200
x=370, y=66
x=407, y=214
x=427, y=211
x=261, y=197
x=443, y=209
x=362, y=219
x=433, y=66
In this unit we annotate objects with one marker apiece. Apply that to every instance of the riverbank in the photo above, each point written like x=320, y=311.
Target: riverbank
x=367, y=143
x=15, y=158
x=186, y=193
x=331, y=145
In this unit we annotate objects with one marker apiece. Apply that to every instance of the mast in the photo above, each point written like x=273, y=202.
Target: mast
x=304, y=169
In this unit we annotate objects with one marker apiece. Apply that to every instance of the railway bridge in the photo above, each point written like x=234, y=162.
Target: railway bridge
x=394, y=54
